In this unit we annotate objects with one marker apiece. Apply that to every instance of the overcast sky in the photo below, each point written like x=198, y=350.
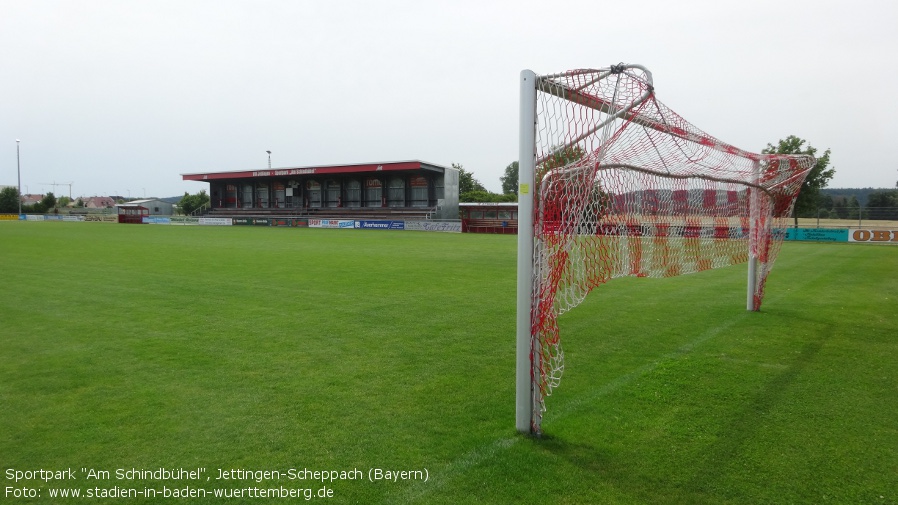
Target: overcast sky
x=121, y=97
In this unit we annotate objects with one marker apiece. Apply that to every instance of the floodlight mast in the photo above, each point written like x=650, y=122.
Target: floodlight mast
x=19, y=173
x=525, y=357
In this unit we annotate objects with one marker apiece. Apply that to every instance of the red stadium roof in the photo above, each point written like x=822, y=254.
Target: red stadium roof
x=390, y=166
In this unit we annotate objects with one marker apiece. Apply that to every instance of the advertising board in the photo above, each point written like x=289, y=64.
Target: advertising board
x=380, y=225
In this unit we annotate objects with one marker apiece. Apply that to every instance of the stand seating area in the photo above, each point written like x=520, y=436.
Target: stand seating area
x=500, y=226
x=365, y=213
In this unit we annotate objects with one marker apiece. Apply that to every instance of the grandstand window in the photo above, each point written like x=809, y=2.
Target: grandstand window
x=247, y=196
x=373, y=193
x=396, y=194
x=230, y=196
x=313, y=193
x=262, y=195
x=419, y=191
x=332, y=189
x=292, y=195
x=279, y=194
x=353, y=193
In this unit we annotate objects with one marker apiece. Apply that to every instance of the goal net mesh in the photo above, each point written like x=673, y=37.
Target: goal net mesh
x=626, y=187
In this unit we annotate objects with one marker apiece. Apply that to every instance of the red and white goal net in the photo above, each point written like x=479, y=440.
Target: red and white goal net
x=623, y=186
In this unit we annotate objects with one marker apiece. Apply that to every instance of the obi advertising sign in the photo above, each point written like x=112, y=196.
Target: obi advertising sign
x=873, y=236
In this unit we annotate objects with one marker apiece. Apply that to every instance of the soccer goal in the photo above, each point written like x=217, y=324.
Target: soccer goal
x=614, y=183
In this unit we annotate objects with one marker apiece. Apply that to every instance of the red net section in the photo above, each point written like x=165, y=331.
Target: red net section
x=625, y=186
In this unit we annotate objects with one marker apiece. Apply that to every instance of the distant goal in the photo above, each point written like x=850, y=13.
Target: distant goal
x=614, y=183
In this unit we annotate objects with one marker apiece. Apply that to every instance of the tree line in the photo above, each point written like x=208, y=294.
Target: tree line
x=471, y=190
x=9, y=202
x=873, y=204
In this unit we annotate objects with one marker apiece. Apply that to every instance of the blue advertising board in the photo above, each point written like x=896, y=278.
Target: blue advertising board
x=380, y=225
x=817, y=234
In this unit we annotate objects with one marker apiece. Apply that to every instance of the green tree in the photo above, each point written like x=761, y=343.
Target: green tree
x=485, y=196
x=840, y=208
x=854, y=208
x=35, y=208
x=9, y=200
x=562, y=157
x=190, y=203
x=826, y=202
x=510, y=179
x=466, y=181
x=883, y=205
x=48, y=201
x=825, y=210
x=809, y=196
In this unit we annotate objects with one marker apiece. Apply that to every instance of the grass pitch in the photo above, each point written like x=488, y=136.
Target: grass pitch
x=257, y=349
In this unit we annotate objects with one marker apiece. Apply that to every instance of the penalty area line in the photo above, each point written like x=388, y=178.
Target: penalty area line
x=418, y=492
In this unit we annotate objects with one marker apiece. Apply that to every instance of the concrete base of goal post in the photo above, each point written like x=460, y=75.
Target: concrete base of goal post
x=524, y=342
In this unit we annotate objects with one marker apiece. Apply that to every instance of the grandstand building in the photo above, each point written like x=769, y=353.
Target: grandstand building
x=366, y=190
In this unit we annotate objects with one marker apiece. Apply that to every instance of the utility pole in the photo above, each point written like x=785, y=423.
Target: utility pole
x=19, y=171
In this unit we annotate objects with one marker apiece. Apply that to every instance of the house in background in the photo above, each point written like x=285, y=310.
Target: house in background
x=98, y=202
x=31, y=199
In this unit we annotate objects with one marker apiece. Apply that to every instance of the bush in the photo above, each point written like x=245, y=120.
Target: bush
x=9, y=201
x=486, y=197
